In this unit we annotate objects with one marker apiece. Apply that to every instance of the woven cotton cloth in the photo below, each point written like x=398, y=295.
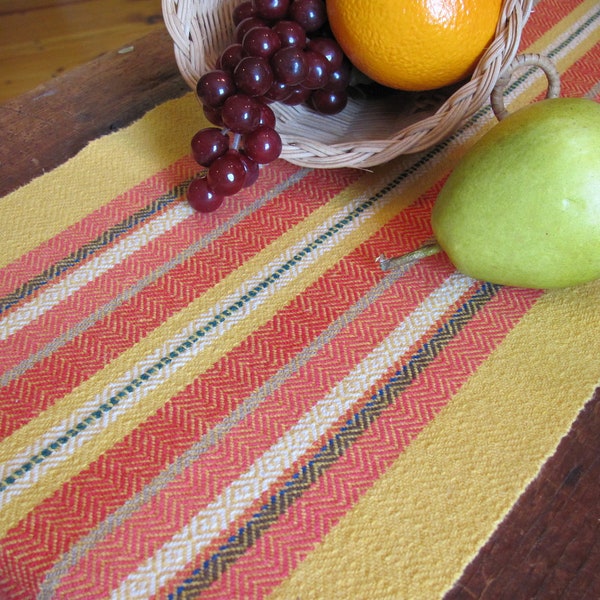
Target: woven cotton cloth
x=242, y=404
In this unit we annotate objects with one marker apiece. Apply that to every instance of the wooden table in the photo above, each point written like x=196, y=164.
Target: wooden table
x=547, y=547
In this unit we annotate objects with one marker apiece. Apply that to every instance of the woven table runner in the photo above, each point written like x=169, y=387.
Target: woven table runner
x=242, y=404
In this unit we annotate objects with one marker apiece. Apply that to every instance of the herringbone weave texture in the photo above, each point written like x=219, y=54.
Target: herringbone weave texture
x=242, y=404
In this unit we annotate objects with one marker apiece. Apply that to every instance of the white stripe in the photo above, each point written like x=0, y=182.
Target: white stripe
x=239, y=496
x=97, y=266
x=78, y=415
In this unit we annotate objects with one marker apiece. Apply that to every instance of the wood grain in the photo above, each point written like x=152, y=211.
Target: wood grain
x=43, y=128
x=40, y=39
x=549, y=545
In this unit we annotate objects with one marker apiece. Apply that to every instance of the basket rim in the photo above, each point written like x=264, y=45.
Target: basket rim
x=183, y=22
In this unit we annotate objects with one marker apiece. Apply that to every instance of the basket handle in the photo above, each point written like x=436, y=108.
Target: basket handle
x=524, y=60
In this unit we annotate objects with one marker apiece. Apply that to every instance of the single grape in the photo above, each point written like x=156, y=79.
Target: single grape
x=277, y=92
x=290, y=33
x=208, y=144
x=227, y=174
x=201, y=197
x=267, y=116
x=298, y=95
x=261, y=41
x=263, y=145
x=246, y=25
x=213, y=115
x=271, y=10
x=240, y=113
x=329, y=102
x=317, y=72
x=214, y=87
x=230, y=57
x=339, y=78
x=289, y=65
x=243, y=11
x=253, y=76
x=252, y=169
x=329, y=48
x=311, y=14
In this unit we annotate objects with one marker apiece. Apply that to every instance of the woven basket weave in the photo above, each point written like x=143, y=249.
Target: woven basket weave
x=368, y=131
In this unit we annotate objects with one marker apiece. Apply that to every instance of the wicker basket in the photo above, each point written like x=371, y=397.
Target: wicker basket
x=368, y=131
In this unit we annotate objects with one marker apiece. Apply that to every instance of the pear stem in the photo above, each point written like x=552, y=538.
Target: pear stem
x=387, y=264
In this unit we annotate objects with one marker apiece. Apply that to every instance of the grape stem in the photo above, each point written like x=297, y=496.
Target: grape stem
x=388, y=264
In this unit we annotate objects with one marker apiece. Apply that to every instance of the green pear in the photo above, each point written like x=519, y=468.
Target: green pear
x=522, y=208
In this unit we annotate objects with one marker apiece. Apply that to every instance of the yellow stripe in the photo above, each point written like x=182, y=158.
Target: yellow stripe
x=548, y=38
x=412, y=534
x=469, y=466
x=104, y=169
x=35, y=429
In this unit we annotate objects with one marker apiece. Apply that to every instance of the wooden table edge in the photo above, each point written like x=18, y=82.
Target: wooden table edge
x=45, y=127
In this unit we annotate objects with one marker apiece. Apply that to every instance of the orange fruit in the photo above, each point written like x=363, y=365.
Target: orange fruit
x=414, y=44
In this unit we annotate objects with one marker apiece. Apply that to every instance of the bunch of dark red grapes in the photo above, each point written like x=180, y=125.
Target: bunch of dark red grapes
x=282, y=53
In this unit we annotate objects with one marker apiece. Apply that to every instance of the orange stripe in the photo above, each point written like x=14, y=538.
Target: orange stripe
x=40, y=387
x=84, y=302
x=273, y=557
x=583, y=76
x=94, y=225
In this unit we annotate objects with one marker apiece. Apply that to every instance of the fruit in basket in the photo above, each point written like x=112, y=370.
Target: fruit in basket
x=279, y=52
x=414, y=45
x=523, y=206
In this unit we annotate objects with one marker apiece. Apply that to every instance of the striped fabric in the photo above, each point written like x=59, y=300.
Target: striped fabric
x=242, y=404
